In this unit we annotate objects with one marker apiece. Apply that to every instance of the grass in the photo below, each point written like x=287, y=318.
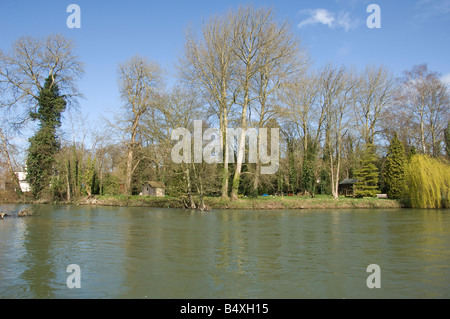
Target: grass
x=259, y=203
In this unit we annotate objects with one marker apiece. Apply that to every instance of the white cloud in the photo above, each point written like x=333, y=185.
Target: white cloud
x=318, y=16
x=331, y=19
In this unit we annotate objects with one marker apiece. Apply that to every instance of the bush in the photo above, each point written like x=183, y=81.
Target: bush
x=111, y=185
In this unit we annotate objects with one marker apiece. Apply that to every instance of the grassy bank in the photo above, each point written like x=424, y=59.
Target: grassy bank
x=260, y=203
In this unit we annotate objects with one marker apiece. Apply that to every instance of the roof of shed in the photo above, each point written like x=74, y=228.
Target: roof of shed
x=348, y=181
x=155, y=184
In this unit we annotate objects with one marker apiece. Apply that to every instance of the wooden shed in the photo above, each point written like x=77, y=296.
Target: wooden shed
x=346, y=187
x=153, y=188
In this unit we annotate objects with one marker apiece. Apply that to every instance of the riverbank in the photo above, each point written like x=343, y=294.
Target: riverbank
x=259, y=203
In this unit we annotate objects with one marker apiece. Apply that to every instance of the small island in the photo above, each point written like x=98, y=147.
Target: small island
x=233, y=123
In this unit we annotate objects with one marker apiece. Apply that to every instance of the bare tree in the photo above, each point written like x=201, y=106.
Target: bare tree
x=426, y=99
x=239, y=62
x=302, y=108
x=376, y=91
x=413, y=97
x=139, y=82
x=438, y=112
x=268, y=53
x=24, y=69
x=338, y=120
x=209, y=66
x=8, y=158
x=281, y=60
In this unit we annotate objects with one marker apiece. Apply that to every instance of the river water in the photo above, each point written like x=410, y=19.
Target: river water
x=170, y=253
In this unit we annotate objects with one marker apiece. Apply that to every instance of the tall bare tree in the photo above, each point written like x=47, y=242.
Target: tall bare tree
x=238, y=63
x=302, y=107
x=376, y=92
x=426, y=99
x=209, y=66
x=267, y=51
x=338, y=119
x=24, y=69
x=438, y=113
x=139, y=83
x=281, y=60
x=7, y=157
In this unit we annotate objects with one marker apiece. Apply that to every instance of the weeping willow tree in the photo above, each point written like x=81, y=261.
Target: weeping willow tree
x=428, y=182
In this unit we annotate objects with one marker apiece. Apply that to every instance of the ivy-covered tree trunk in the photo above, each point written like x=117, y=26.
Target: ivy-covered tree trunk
x=44, y=144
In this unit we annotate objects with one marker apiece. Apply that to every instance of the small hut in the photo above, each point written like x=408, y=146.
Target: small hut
x=346, y=187
x=153, y=188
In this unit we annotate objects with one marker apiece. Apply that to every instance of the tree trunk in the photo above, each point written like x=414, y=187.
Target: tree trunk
x=422, y=137
x=68, y=181
x=187, y=175
x=14, y=176
x=256, y=179
x=241, y=148
x=333, y=177
x=129, y=170
x=225, y=175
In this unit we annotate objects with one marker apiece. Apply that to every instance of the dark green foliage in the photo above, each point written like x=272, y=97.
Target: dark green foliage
x=395, y=169
x=367, y=175
x=293, y=174
x=44, y=144
x=447, y=139
x=325, y=182
x=309, y=168
x=411, y=153
x=324, y=186
x=111, y=185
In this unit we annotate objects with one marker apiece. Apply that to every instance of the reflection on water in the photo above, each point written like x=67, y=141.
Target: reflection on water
x=166, y=253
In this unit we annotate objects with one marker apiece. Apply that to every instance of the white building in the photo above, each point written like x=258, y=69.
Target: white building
x=24, y=185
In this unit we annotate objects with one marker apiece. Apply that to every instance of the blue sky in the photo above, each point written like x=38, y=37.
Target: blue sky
x=412, y=32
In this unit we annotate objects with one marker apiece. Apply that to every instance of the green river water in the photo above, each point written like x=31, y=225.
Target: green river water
x=171, y=253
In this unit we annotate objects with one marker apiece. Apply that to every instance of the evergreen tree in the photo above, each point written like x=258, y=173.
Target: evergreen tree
x=367, y=175
x=44, y=144
x=447, y=139
x=324, y=184
x=394, y=169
